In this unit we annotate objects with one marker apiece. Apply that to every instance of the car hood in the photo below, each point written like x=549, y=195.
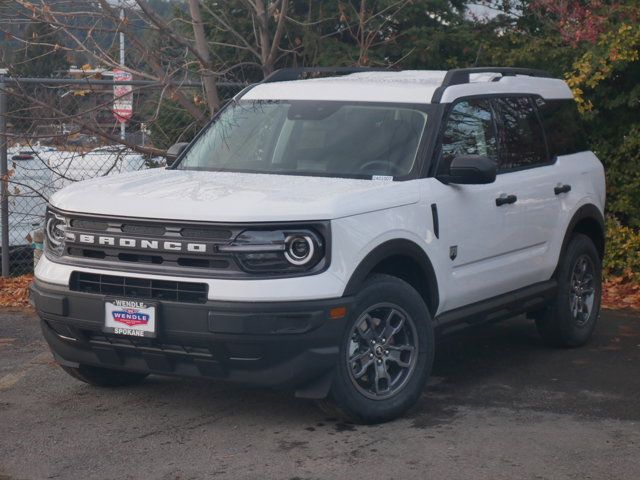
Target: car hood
x=231, y=197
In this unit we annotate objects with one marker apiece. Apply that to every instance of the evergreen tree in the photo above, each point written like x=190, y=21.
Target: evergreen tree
x=42, y=55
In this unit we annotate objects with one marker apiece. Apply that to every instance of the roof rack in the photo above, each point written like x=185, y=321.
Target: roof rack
x=288, y=74
x=460, y=76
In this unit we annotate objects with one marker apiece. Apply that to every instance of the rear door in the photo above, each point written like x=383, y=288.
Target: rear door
x=527, y=172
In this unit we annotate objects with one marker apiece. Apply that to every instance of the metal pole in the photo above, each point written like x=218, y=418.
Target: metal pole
x=122, y=39
x=123, y=126
x=4, y=193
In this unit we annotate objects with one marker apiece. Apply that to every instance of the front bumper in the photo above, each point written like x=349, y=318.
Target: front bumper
x=284, y=344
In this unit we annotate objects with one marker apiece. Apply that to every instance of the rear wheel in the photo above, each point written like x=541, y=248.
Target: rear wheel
x=386, y=353
x=571, y=319
x=104, y=377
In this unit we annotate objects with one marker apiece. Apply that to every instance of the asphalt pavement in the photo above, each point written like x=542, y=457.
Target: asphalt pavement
x=500, y=405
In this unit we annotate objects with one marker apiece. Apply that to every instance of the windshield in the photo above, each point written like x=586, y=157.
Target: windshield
x=310, y=137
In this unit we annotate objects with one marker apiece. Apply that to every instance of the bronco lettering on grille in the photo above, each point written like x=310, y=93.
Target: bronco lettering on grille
x=139, y=243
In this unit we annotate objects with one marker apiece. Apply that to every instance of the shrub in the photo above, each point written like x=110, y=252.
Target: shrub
x=622, y=256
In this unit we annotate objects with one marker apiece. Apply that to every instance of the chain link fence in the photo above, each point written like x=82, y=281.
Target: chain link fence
x=54, y=132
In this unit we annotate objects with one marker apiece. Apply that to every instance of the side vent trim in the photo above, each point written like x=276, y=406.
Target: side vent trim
x=436, y=221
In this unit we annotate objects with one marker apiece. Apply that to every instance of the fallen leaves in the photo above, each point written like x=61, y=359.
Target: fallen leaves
x=622, y=292
x=14, y=291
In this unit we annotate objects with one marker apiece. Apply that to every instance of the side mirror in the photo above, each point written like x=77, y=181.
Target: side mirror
x=174, y=152
x=470, y=170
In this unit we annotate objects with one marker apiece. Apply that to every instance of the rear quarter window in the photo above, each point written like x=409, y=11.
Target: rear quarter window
x=521, y=142
x=563, y=126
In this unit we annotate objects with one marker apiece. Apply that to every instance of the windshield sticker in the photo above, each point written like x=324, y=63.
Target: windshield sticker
x=386, y=178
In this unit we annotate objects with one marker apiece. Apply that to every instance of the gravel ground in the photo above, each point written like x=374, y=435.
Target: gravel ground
x=500, y=406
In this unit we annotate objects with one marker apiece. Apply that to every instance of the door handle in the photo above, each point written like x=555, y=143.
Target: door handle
x=562, y=189
x=505, y=199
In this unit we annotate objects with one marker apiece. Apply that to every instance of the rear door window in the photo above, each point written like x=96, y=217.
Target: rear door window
x=521, y=141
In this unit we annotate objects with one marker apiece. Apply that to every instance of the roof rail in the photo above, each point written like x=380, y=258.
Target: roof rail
x=288, y=74
x=460, y=76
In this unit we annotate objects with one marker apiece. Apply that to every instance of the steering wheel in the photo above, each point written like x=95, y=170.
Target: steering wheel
x=384, y=166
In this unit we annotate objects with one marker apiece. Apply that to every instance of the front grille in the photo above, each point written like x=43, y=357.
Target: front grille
x=92, y=225
x=202, y=232
x=152, y=257
x=140, y=288
x=164, y=247
x=153, y=230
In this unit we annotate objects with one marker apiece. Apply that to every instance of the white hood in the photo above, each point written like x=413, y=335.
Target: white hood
x=231, y=197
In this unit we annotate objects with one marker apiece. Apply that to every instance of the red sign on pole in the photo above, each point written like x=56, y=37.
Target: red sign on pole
x=122, y=96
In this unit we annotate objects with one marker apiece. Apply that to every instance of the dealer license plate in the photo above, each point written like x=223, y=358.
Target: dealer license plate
x=130, y=317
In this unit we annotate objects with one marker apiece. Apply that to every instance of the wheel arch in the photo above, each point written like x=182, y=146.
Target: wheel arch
x=404, y=259
x=588, y=220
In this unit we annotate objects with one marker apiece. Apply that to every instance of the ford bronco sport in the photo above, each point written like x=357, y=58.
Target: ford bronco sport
x=320, y=234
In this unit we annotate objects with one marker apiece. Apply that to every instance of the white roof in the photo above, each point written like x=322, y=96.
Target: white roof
x=406, y=86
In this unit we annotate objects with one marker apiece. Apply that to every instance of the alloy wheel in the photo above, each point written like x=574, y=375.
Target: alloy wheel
x=582, y=293
x=382, y=351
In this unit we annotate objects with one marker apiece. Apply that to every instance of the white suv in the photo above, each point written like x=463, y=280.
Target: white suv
x=319, y=234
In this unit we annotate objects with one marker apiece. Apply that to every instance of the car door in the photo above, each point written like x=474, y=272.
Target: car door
x=473, y=238
x=528, y=174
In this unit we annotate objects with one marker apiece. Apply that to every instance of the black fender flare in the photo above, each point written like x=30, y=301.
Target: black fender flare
x=588, y=211
x=402, y=247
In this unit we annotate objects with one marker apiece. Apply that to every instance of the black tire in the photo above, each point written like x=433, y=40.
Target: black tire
x=104, y=377
x=565, y=323
x=364, y=399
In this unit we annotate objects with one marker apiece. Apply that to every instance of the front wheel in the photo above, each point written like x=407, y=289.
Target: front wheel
x=571, y=319
x=386, y=353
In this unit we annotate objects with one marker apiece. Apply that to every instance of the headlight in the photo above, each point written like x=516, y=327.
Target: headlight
x=276, y=251
x=55, y=227
x=299, y=249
